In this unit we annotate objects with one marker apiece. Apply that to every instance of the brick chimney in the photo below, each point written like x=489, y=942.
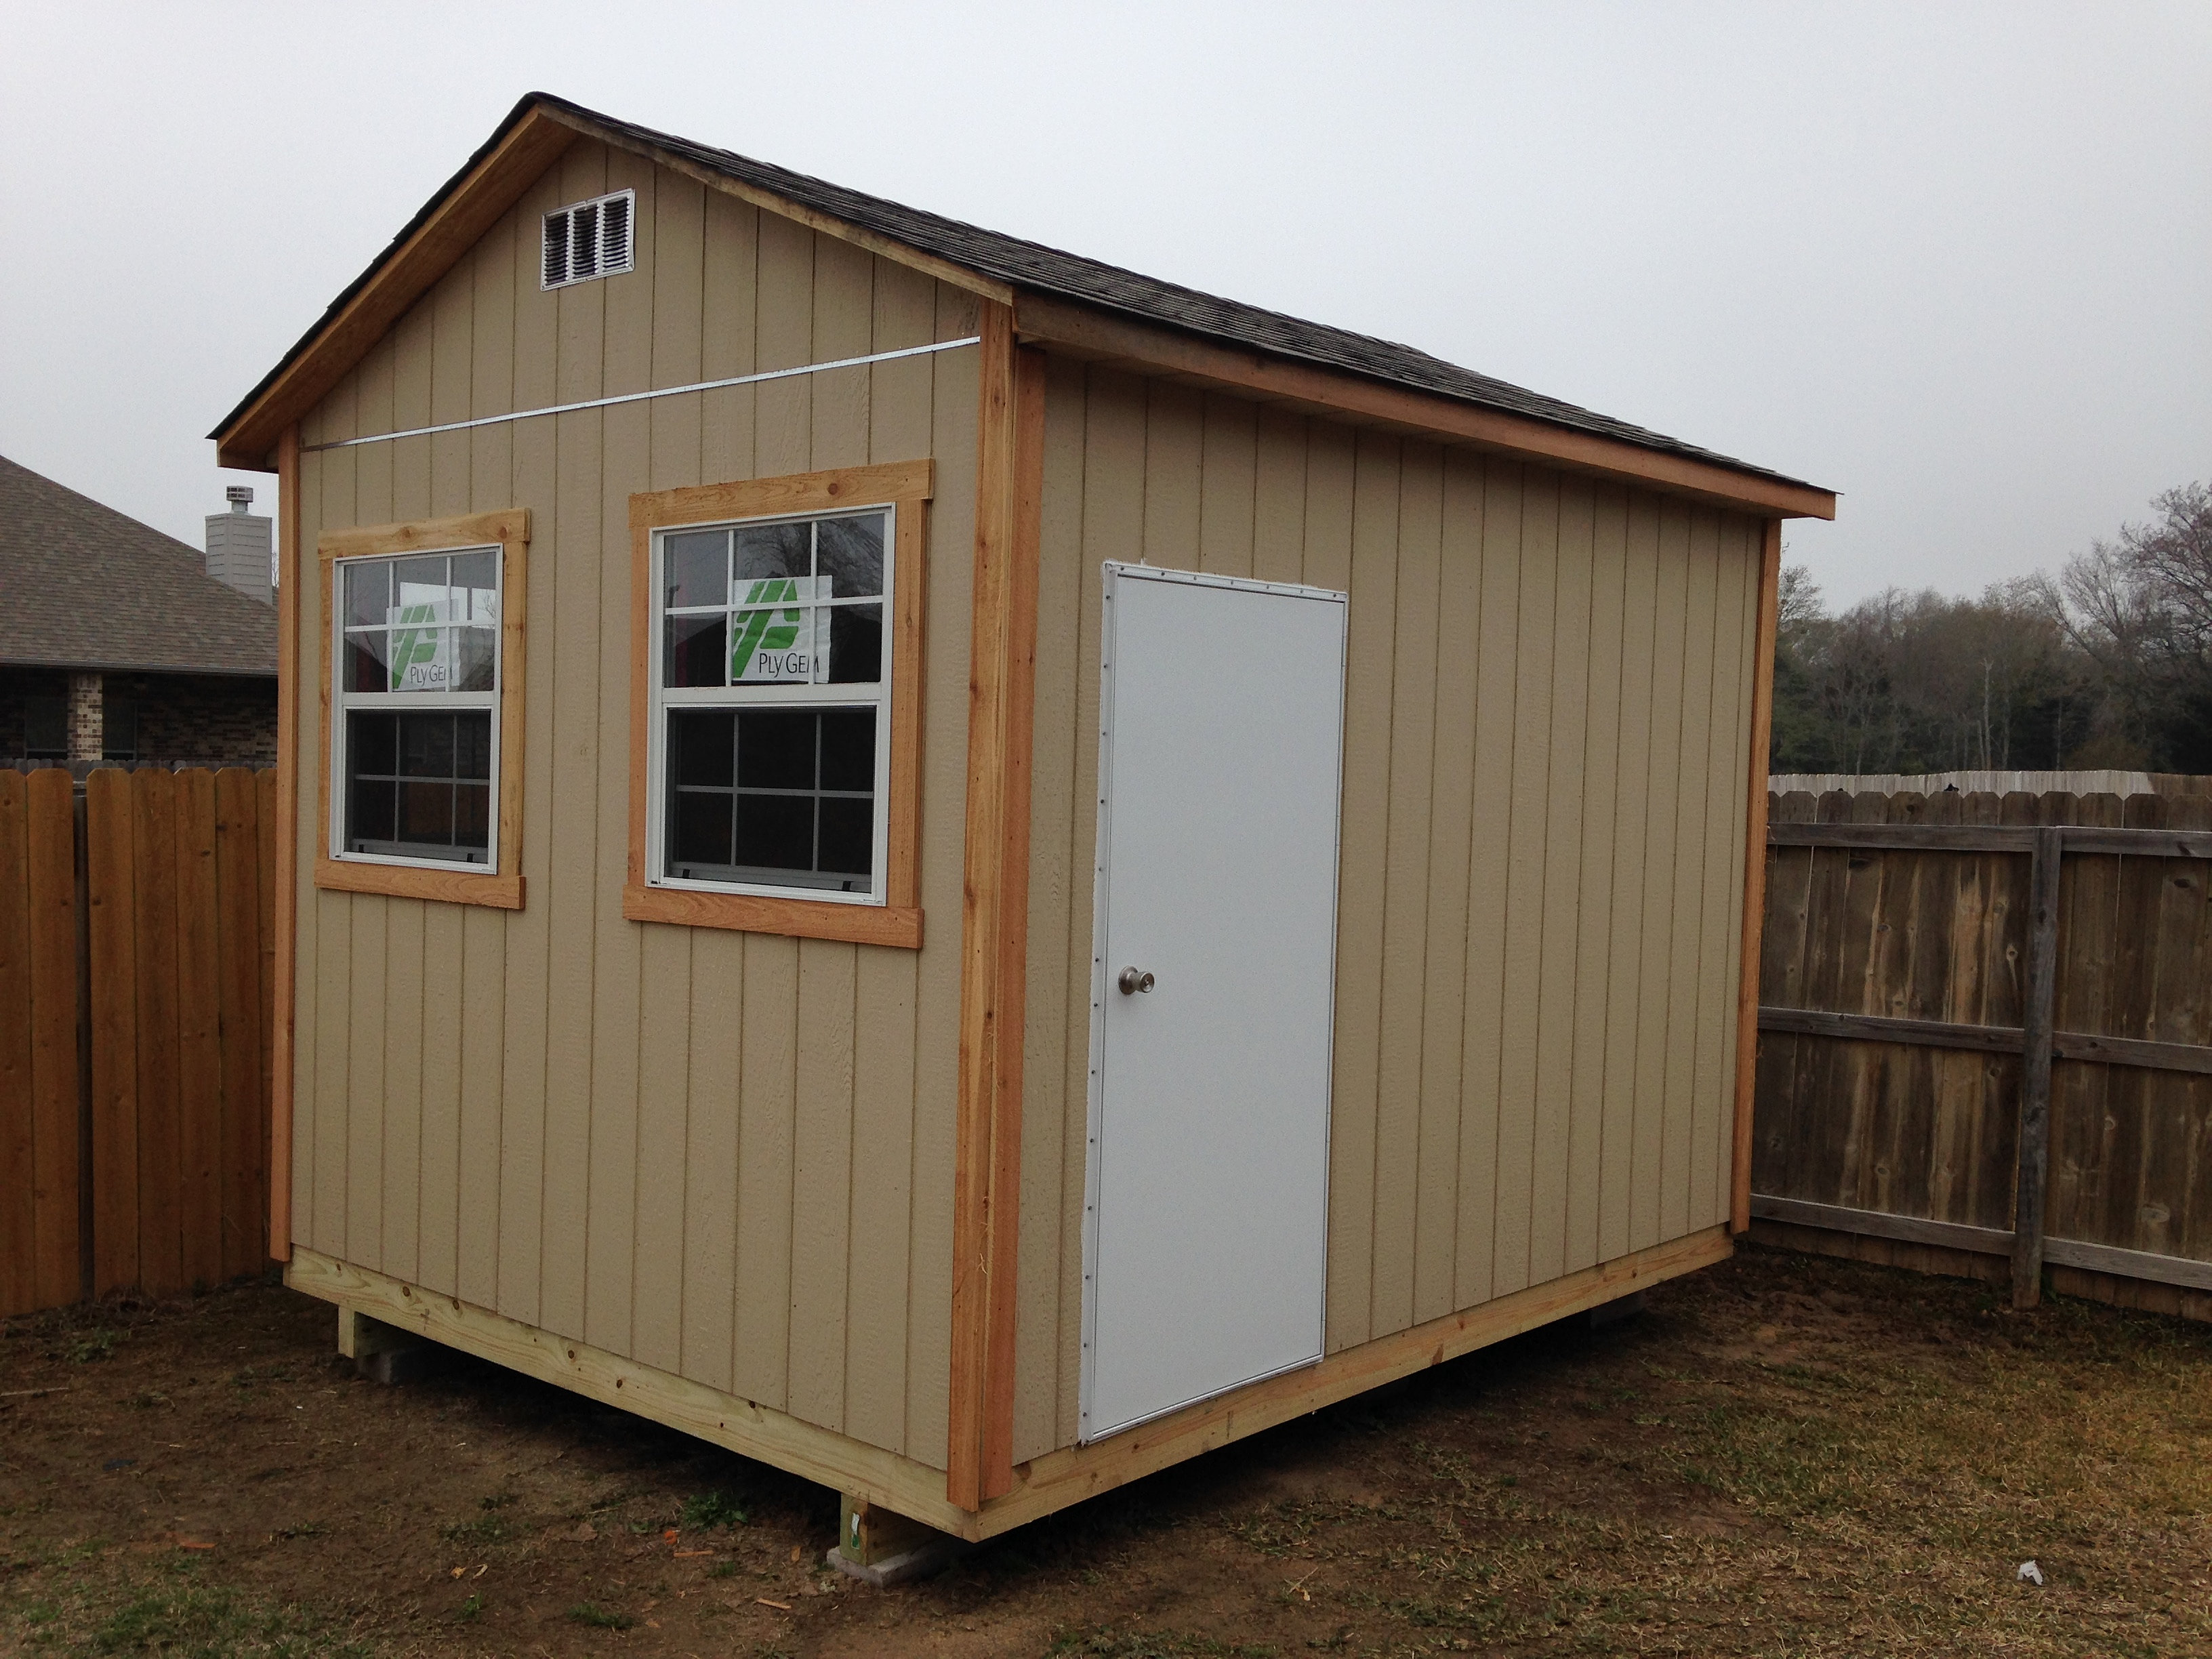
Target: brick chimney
x=239, y=546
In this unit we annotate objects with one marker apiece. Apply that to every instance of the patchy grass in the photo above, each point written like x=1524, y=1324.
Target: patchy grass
x=1785, y=1457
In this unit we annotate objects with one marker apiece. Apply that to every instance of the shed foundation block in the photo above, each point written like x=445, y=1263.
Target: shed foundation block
x=880, y=1548
x=384, y=1353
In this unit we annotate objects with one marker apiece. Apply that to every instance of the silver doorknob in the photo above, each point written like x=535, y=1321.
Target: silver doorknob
x=1132, y=980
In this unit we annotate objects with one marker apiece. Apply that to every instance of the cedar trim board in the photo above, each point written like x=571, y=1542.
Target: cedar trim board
x=2083, y=1046
x=995, y=916
x=907, y=487
x=284, y=973
x=1081, y=330
x=1754, y=876
x=1042, y=1485
x=508, y=530
x=1987, y=1241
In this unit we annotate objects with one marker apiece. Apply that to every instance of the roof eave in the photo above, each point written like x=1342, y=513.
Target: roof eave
x=1087, y=329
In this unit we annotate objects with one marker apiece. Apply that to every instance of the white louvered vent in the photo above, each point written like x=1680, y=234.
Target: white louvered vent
x=587, y=240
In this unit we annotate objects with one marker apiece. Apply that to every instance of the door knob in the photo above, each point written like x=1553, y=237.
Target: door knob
x=1132, y=980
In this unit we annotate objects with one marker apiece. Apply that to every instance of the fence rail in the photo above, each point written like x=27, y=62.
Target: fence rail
x=1968, y=1050
x=137, y=947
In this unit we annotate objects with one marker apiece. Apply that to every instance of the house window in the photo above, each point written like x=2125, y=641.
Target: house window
x=45, y=727
x=422, y=680
x=777, y=698
x=772, y=729
x=118, y=727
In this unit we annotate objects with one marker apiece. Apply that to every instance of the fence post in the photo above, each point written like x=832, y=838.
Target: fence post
x=2033, y=1179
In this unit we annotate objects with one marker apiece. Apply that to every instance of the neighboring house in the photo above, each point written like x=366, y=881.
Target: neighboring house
x=118, y=643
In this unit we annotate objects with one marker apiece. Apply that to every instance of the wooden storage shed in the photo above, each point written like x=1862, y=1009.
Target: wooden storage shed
x=966, y=873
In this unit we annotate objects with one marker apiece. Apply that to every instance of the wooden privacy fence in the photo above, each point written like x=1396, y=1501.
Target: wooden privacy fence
x=137, y=944
x=1985, y=1038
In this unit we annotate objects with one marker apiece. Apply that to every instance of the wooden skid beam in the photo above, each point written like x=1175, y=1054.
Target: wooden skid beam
x=1040, y=1487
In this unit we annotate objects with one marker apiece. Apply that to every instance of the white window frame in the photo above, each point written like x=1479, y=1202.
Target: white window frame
x=877, y=695
x=344, y=701
x=599, y=267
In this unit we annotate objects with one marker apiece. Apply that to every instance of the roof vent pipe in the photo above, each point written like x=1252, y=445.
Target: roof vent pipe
x=240, y=547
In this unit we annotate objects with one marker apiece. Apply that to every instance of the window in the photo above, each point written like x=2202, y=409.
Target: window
x=776, y=665
x=118, y=729
x=45, y=728
x=588, y=240
x=423, y=677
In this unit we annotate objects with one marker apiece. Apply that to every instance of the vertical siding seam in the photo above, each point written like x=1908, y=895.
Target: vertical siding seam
x=1383, y=933
x=1467, y=908
x=1587, y=634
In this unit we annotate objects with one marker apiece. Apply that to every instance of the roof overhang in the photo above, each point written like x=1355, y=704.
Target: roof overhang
x=539, y=129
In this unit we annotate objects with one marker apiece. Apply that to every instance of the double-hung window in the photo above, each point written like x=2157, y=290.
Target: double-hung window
x=418, y=691
x=774, y=696
x=423, y=681
x=775, y=650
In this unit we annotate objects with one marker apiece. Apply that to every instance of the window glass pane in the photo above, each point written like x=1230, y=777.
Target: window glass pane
x=775, y=749
x=426, y=813
x=472, y=815
x=691, y=651
x=697, y=569
x=479, y=657
x=775, y=832
x=848, y=838
x=372, y=744
x=702, y=748
x=850, y=553
x=770, y=550
x=856, y=643
x=420, y=591
x=373, y=806
x=472, y=743
x=366, y=666
x=848, y=748
x=699, y=832
x=426, y=746
x=368, y=592
x=476, y=588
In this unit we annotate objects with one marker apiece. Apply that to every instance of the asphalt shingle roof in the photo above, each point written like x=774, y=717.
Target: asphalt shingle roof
x=1033, y=266
x=82, y=585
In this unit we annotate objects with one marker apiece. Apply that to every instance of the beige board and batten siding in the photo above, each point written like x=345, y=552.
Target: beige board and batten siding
x=1547, y=722
x=728, y=1155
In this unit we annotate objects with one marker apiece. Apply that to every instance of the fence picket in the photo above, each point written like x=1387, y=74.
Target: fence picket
x=58, y=1264
x=110, y=926
x=154, y=847
x=18, y=1286
x=199, y=1038
x=238, y=943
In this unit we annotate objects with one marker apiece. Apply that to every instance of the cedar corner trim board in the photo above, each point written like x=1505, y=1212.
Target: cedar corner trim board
x=1040, y=1487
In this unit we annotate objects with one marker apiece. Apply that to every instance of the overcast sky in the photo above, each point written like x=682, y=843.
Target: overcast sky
x=1954, y=261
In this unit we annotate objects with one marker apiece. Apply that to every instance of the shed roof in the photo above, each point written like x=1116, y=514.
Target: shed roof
x=1019, y=265
x=82, y=585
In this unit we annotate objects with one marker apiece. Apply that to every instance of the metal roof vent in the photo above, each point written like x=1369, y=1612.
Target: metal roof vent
x=588, y=240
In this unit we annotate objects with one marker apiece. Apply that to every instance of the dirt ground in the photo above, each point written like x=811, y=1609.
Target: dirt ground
x=1784, y=1456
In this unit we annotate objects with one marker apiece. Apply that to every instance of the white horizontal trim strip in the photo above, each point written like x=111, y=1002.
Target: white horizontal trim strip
x=640, y=396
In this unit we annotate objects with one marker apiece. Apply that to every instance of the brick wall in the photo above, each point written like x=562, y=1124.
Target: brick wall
x=182, y=720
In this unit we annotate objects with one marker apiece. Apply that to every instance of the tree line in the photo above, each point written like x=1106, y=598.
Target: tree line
x=2108, y=662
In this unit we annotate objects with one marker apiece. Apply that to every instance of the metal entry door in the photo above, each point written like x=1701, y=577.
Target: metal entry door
x=1219, y=764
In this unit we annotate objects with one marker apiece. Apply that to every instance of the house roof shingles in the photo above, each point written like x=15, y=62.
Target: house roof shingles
x=1032, y=266
x=84, y=587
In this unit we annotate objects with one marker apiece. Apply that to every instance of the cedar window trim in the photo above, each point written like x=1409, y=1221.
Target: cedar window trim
x=502, y=888
x=906, y=488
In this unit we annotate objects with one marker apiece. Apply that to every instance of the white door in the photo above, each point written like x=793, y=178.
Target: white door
x=1219, y=769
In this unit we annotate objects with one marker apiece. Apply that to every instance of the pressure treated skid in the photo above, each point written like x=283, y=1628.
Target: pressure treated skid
x=814, y=1194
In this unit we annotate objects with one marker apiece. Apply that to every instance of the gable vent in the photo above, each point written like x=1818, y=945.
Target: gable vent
x=588, y=238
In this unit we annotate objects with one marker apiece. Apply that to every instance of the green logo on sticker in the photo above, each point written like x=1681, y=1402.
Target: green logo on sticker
x=765, y=630
x=413, y=645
